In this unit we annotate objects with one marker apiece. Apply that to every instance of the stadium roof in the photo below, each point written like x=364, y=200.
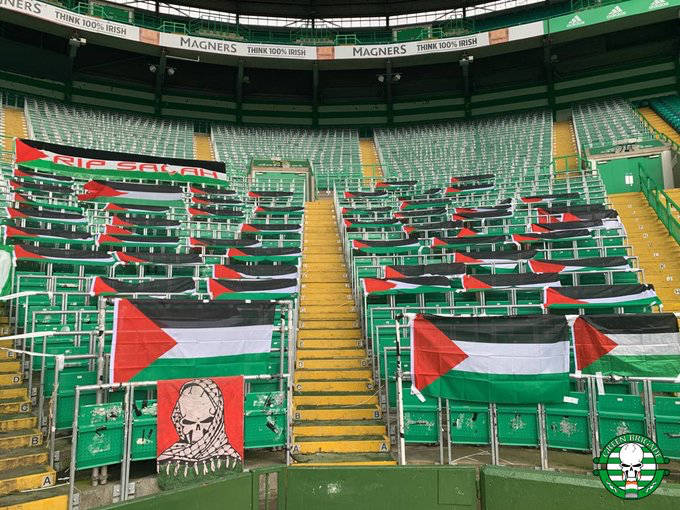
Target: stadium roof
x=326, y=8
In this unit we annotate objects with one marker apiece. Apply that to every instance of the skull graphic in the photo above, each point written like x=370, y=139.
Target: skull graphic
x=630, y=457
x=197, y=412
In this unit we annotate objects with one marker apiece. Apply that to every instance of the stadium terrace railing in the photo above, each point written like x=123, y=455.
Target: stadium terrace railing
x=664, y=206
x=658, y=134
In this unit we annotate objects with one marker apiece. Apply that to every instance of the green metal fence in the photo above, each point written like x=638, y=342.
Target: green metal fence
x=664, y=206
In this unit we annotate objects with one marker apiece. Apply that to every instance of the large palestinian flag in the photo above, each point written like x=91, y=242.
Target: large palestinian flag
x=30, y=213
x=264, y=254
x=500, y=259
x=414, y=271
x=598, y=264
x=110, y=287
x=271, y=228
x=509, y=281
x=158, y=339
x=633, y=345
x=46, y=235
x=205, y=242
x=549, y=198
x=506, y=360
x=577, y=213
x=551, y=237
x=255, y=289
x=417, y=285
x=129, y=193
x=386, y=247
x=574, y=225
x=137, y=241
x=236, y=271
x=161, y=259
x=440, y=227
x=60, y=256
x=601, y=296
x=129, y=221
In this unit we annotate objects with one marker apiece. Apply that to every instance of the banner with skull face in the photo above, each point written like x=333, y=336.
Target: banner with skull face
x=200, y=425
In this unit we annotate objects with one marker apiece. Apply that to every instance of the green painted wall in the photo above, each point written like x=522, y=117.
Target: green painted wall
x=614, y=172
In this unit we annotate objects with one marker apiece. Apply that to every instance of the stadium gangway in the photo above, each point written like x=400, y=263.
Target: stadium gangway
x=594, y=386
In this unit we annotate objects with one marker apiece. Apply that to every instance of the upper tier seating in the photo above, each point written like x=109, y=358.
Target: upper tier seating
x=669, y=108
x=604, y=123
x=108, y=130
x=333, y=153
x=498, y=144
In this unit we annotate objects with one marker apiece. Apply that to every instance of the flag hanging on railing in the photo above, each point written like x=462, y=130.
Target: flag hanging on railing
x=102, y=286
x=417, y=285
x=62, y=256
x=200, y=426
x=253, y=288
x=601, y=296
x=157, y=339
x=414, y=271
x=633, y=345
x=236, y=271
x=598, y=264
x=510, y=281
x=506, y=360
x=131, y=193
x=43, y=215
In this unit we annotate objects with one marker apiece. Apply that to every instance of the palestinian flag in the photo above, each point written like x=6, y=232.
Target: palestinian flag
x=143, y=222
x=601, y=296
x=503, y=259
x=417, y=285
x=597, y=264
x=377, y=224
x=33, y=187
x=469, y=188
x=416, y=229
x=414, y=271
x=111, y=287
x=210, y=190
x=349, y=211
x=129, y=193
x=551, y=237
x=215, y=201
x=479, y=177
x=395, y=184
x=136, y=241
x=30, y=213
x=510, y=281
x=483, y=215
x=160, y=259
x=270, y=194
x=137, y=209
x=385, y=247
x=256, y=289
x=237, y=271
x=28, y=174
x=555, y=197
x=465, y=210
x=437, y=211
x=574, y=225
x=576, y=210
x=158, y=339
x=505, y=360
x=467, y=240
x=632, y=345
x=201, y=242
x=580, y=214
x=60, y=256
x=214, y=212
x=264, y=254
x=200, y=426
x=365, y=194
x=277, y=211
x=272, y=228
x=26, y=201
x=428, y=203
x=47, y=235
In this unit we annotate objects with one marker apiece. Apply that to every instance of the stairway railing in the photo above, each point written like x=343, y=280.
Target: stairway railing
x=658, y=134
x=664, y=206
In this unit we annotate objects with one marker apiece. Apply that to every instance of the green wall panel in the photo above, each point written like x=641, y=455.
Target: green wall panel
x=614, y=172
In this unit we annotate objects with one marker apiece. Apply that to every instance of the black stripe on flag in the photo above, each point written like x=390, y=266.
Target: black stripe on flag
x=158, y=285
x=574, y=209
x=145, y=188
x=633, y=323
x=52, y=215
x=58, y=253
x=262, y=270
x=501, y=254
x=516, y=280
x=61, y=233
x=423, y=212
x=426, y=269
x=254, y=285
x=269, y=252
x=580, y=292
x=227, y=242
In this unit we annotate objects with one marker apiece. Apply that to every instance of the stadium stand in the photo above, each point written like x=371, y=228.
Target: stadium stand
x=669, y=109
x=604, y=123
x=333, y=153
x=108, y=130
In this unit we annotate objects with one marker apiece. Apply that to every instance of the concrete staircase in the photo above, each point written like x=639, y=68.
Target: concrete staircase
x=564, y=143
x=15, y=126
x=337, y=416
x=657, y=122
x=203, y=149
x=658, y=252
x=370, y=163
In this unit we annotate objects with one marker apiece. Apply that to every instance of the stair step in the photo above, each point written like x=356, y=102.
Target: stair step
x=27, y=456
x=355, y=386
x=348, y=444
x=329, y=314
x=332, y=375
x=327, y=343
x=15, y=405
x=343, y=334
x=339, y=413
x=14, y=391
x=331, y=400
x=331, y=364
x=10, y=379
x=9, y=366
x=26, y=478
x=337, y=300
x=342, y=287
x=340, y=428
x=344, y=459
x=11, y=422
x=20, y=439
x=53, y=498
x=331, y=354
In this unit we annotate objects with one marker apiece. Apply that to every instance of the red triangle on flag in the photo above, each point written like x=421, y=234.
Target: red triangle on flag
x=553, y=297
x=112, y=229
x=216, y=289
x=377, y=285
x=470, y=282
x=138, y=342
x=589, y=343
x=247, y=227
x=25, y=152
x=220, y=271
x=466, y=232
x=22, y=253
x=434, y=353
x=542, y=266
x=535, y=227
x=391, y=273
x=99, y=287
x=117, y=220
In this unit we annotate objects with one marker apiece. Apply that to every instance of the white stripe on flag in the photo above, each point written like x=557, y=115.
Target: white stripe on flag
x=514, y=359
x=212, y=342
x=645, y=344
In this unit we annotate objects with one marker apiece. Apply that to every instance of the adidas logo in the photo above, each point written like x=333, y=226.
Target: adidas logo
x=577, y=21
x=657, y=4
x=616, y=12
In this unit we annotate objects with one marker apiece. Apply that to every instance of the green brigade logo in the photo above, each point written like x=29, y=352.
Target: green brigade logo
x=629, y=466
